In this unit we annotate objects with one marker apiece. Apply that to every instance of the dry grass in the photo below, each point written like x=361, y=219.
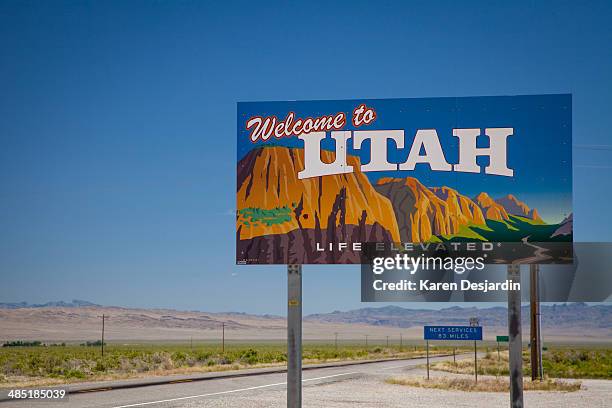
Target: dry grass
x=487, y=365
x=484, y=385
x=558, y=363
x=45, y=366
x=26, y=382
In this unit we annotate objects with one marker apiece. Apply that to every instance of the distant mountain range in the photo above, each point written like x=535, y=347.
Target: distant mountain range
x=573, y=316
x=61, y=303
x=557, y=315
x=80, y=320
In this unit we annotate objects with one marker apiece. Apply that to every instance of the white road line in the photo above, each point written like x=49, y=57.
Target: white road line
x=398, y=366
x=227, y=392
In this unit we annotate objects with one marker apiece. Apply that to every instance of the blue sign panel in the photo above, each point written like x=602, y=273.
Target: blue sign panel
x=453, y=333
x=317, y=180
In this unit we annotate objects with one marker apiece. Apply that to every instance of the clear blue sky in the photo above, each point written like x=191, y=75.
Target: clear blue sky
x=118, y=127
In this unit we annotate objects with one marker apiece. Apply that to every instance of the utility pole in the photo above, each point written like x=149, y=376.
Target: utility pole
x=336, y=340
x=191, y=343
x=103, y=318
x=515, y=340
x=387, y=341
x=223, y=338
x=540, y=344
x=401, y=342
x=294, y=336
x=366, y=336
x=534, y=334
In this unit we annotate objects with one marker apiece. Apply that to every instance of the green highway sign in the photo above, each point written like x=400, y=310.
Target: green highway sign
x=503, y=338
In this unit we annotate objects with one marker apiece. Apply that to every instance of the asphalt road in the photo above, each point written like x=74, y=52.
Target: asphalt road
x=186, y=393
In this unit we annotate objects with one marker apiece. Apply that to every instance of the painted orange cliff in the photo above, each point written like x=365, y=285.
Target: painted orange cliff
x=282, y=219
x=491, y=209
x=422, y=212
x=273, y=202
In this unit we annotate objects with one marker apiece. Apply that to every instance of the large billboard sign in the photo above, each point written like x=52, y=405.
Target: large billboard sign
x=318, y=180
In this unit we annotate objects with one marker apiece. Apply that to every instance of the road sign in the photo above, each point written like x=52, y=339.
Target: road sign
x=452, y=333
x=503, y=339
x=319, y=180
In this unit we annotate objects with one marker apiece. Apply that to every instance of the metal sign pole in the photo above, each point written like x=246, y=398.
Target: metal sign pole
x=534, y=327
x=294, y=336
x=515, y=341
x=475, y=322
x=475, y=363
x=427, y=347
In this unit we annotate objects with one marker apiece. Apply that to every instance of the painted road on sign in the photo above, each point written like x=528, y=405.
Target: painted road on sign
x=452, y=332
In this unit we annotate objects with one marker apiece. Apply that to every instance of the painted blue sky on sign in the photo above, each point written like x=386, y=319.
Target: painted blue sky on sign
x=539, y=152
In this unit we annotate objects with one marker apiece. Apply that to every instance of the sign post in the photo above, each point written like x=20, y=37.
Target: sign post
x=500, y=339
x=474, y=322
x=294, y=336
x=427, y=347
x=454, y=333
x=475, y=364
x=534, y=334
x=515, y=343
